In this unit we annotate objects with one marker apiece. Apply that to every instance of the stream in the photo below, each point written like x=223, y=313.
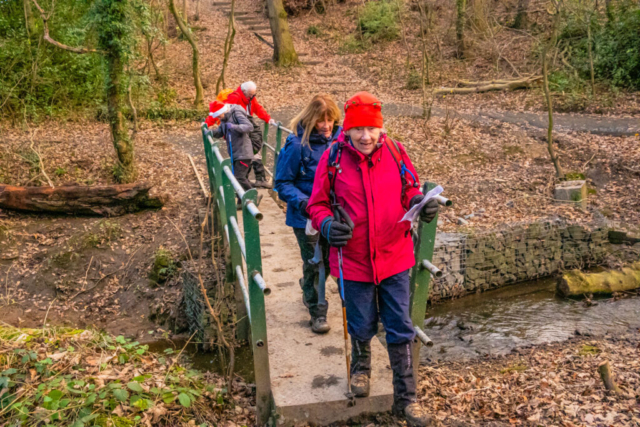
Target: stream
x=496, y=322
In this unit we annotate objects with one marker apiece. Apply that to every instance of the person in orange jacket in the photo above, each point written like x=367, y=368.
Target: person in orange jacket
x=245, y=96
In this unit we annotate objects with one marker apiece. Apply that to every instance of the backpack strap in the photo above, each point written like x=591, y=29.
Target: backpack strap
x=397, y=156
x=333, y=166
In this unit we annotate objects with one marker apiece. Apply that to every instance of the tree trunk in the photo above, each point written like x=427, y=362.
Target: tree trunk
x=591, y=72
x=98, y=200
x=199, y=101
x=284, y=54
x=547, y=95
x=114, y=39
x=522, y=15
x=576, y=283
x=228, y=45
x=185, y=15
x=461, y=10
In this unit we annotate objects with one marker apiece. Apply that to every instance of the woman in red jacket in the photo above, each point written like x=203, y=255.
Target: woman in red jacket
x=372, y=179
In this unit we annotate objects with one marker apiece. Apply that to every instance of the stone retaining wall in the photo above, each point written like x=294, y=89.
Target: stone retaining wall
x=477, y=262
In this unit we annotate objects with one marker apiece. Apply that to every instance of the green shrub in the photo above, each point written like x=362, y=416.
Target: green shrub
x=351, y=44
x=379, y=21
x=164, y=267
x=615, y=46
x=414, y=80
x=313, y=30
x=38, y=78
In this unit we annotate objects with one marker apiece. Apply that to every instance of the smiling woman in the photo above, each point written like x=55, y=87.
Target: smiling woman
x=368, y=177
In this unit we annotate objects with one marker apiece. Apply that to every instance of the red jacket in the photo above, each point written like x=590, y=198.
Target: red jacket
x=238, y=98
x=369, y=188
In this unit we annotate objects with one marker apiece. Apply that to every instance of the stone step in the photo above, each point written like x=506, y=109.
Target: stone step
x=236, y=13
x=251, y=21
x=265, y=34
x=258, y=27
x=248, y=17
x=312, y=63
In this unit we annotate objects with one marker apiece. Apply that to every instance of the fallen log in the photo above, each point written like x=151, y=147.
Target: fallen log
x=468, y=83
x=510, y=85
x=576, y=283
x=105, y=200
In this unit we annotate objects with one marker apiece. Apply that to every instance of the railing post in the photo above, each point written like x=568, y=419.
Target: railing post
x=265, y=139
x=235, y=253
x=258, y=313
x=421, y=278
x=219, y=200
x=278, y=146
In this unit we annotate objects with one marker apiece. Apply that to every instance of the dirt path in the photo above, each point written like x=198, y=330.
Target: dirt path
x=598, y=125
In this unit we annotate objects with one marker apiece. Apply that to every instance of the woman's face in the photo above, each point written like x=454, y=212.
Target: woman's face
x=364, y=138
x=325, y=127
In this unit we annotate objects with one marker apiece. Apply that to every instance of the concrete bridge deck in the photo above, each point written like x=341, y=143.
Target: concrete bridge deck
x=308, y=372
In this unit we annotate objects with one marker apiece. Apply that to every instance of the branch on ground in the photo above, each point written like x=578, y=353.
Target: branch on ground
x=477, y=87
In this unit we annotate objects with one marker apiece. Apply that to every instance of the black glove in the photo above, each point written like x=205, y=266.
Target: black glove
x=336, y=233
x=428, y=211
x=303, y=208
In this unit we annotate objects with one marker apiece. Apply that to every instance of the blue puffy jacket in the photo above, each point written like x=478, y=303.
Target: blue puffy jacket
x=296, y=170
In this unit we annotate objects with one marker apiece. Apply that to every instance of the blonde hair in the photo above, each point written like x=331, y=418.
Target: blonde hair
x=321, y=106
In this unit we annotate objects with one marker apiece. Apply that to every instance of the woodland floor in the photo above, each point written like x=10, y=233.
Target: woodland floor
x=93, y=272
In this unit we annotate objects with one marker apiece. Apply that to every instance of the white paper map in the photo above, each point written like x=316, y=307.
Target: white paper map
x=413, y=213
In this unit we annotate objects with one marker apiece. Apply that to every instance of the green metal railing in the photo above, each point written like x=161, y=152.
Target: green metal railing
x=244, y=266
x=224, y=189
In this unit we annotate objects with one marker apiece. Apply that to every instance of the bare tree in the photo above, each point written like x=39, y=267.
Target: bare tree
x=199, y=101
x=461, y=15
x=228, y=44
x=284, y=54
x=547, y=94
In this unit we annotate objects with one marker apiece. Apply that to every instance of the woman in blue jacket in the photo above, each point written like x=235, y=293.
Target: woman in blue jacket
x=316, y=127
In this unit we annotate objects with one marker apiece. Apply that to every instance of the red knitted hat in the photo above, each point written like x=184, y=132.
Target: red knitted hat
x=362, y=110
x=216, y=108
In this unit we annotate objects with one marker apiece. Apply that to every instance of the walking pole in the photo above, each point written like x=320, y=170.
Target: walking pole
x=340, y=214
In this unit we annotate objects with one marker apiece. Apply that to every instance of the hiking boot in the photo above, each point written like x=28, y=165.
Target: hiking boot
x=262, y=183
x=360, y=384
x=417, y=416
x=319, y=325
x=360, y=367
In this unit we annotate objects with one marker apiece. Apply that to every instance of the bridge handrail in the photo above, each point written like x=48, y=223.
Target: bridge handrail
x=224, y=189
x=250, y=285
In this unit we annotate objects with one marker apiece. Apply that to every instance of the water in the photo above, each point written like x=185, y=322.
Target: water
x=498, y=321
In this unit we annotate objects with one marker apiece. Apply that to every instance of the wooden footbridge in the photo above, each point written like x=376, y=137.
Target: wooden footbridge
x=300, y=376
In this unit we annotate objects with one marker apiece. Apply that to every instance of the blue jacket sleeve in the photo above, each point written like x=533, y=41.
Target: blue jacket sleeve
x=287, y=172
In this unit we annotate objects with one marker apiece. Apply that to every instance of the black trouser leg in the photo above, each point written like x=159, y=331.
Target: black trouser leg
x=258, y=170
x=360, y=357
x=404, y=384
x=310, y=273
x=241, y=170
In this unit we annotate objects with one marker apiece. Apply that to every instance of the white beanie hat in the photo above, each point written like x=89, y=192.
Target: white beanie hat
x=218, y=109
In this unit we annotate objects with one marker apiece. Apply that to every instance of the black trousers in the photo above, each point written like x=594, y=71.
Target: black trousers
x=241, y=169
x=256, y=142
x=310, y=276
